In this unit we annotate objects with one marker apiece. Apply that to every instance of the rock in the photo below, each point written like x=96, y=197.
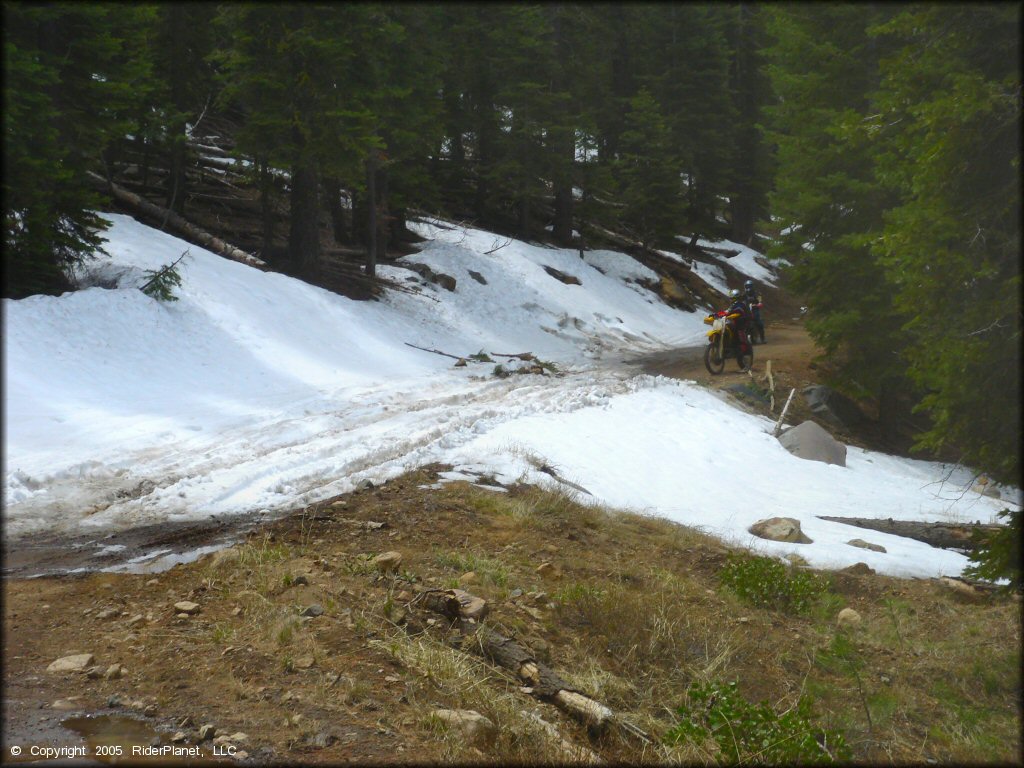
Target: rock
x=178, y=737
x=830, y=406
x=963, y=589
x=546, y=570
x=181, y=616
x=108, y=613
x=866, y=545
x=342, y=504
x=322, y=740
x=986, y=490
x=780, y=529
x=240, y=754
x=848, y=618
x=797, y=560
x=78, y=662
x=239, y=736
x=300, y=580
x=153, y=583
x=207, y=732
x=515, y=593
x=304, y=662
x=468, y=578
x=66, y=704
x=811, y=442
x=236, y=611
x=149, y=710
x=477, y=729
x=313, y=610
x=388, y=562
x=470, y=606
x=187, y=607
x=114, y=672
x=859, y=569
x=136, y=620
x=94, y=673
x=365, y=485
x=115, y=702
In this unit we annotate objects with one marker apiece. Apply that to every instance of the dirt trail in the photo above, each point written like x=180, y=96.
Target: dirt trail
x=788, y=346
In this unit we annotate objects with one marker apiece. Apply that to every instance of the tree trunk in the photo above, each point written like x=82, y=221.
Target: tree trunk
x=942, y=535
x=332, y=188
x=304, y=230
x=371, y=214
x=266, y=183
x=383, y=215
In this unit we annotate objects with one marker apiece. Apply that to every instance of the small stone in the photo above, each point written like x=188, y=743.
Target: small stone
x=962, y=589
x=342, y=504
x=75, y=663
x=241, y=754
x=313, y=610
x=388, y=562
x=114, y=671
x=136, y=620
x=150, y=710
x=365, y=485
x=546, y=570
x=304, y=662
x=237, y=611
x=848, y=618
x=178, y=737
x=515, y=593
x=115, y=702
x=153, y=583
x=71, y=702
x=468, y=578
x=187, y=607
x=470, y=606
x=296, y=719
x=798, y=561
x=866, y=545
x=300, y=580
x=239, y=736
x=108, y=613
x=743, y=619
x=94, y=673
x=859, y=569
x=322, y=740
x=392, y=679
x=207, y=732
x=181, y=616
x=476, y=728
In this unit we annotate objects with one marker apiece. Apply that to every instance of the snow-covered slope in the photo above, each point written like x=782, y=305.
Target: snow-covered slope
x=256, y=391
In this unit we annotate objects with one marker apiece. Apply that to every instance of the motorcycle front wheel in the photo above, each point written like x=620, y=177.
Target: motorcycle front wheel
x=713, y=359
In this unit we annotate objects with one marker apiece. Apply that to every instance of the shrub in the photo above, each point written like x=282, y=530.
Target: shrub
x=768, y=583
x=746, y=732
x=998, y=555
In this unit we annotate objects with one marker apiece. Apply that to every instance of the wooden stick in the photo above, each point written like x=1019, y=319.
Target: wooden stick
x=778, y=424
x=435, y=351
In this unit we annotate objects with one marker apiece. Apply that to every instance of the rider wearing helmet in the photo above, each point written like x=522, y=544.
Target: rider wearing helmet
x=754, y=302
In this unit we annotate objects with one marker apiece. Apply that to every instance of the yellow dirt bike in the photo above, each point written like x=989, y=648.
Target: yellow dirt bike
x=724, y=342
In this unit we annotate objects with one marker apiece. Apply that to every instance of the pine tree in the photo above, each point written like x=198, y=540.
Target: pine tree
x=648, y=174
x=71, y=78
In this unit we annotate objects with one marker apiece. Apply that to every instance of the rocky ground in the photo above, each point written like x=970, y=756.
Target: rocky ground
x=315, y=640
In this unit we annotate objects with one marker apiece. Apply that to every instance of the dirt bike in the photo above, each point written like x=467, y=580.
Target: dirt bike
x=724, y=341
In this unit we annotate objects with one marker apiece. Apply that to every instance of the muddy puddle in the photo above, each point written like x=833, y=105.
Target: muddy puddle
x=114, y=740
x=146, y=549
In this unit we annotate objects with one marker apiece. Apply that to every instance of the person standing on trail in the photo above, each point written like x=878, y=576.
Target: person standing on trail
x=755, y=303
x=738, y=305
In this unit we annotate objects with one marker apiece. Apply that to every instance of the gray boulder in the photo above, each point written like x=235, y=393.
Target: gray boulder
x=780, y=529
x=829, y=405
x=810, y=441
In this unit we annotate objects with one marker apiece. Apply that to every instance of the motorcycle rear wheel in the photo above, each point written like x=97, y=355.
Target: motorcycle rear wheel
x=713, y=359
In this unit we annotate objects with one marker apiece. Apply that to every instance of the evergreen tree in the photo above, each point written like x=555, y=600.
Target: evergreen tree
x=648, y=174
x=946, y=130
x=71, y=78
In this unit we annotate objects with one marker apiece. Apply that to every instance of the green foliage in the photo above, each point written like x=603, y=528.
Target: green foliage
x=999, y=557
x=72, y=73
x=749, y=733
x=767, y=583
x=648, y=173
x=161, y=282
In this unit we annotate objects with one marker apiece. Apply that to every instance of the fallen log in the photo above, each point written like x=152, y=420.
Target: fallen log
x=540, y=680
x=177, y=223
x=941, y=535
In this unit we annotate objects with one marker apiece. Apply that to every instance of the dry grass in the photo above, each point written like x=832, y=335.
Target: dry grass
x=633, y=613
